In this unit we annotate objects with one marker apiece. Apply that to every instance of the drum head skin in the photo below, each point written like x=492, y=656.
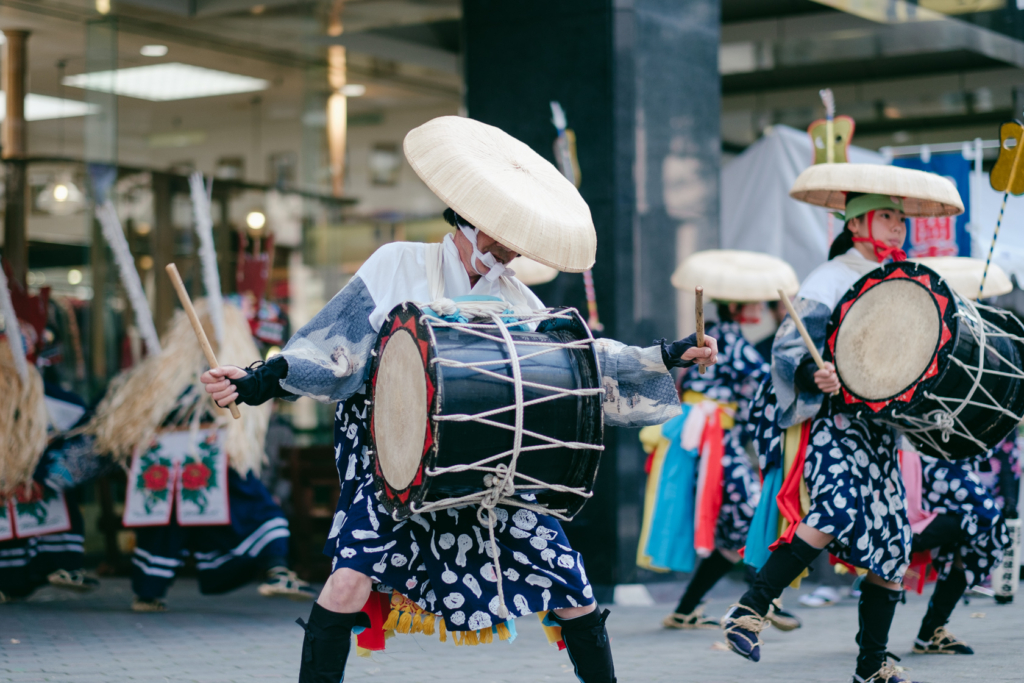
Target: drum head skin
x=400, y=410
x=887, y=339
x=403, y=384
x=889, y=334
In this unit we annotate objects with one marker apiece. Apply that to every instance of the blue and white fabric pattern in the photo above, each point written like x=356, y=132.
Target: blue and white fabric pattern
x=440, y=560
x=951, y=488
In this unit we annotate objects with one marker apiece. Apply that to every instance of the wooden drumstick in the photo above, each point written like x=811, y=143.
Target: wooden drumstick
x=700, y=324
x=197, y=327
x=803, y=332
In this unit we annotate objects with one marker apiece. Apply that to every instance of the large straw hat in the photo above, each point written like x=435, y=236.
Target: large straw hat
x=506, y=189
x=963, y=274
x=531, y=272
x=732, y=275
x=924, y=194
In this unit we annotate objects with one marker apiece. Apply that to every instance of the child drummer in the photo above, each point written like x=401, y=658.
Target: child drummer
x=703, y=449
x=504, y=200
x=857, y=500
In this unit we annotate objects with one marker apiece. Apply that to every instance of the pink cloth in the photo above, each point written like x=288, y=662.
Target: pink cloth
x=910, y=467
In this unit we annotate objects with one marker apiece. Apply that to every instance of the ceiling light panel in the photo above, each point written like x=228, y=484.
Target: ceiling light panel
x=166, y=82
x=43, y=107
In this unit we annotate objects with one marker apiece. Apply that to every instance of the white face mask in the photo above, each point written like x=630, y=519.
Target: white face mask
x=495, y=267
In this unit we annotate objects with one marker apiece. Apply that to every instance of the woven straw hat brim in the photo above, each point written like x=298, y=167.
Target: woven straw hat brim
x=924, y=194
x=964, y=275
x=505, y=189
x=531, y=272
x=734, y=275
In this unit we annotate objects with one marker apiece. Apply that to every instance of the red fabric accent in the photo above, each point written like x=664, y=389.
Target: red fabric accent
x=788, y=498
x=833, y=560
x=31, y=311
x=711, y=449
x=649, y=464
x=921, y=563
x=878, y=405
x=377, y=607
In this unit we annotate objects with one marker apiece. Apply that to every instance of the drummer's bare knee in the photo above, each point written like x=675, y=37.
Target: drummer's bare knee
x=346, y=591
x=573, y=612
x=879, y=581
x=813, y=537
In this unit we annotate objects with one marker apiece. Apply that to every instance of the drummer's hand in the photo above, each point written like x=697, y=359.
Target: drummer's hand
x=826, y=379
x=216, y=381
x=703, y=355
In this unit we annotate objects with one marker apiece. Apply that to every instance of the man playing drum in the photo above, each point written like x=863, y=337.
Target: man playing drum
x=851, y=471
x=504, y=200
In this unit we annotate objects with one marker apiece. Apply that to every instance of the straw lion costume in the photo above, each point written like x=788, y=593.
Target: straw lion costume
x=437, y=563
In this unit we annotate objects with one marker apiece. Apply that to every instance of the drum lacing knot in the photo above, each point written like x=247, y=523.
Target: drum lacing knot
x=444, y=307
x=945, y=423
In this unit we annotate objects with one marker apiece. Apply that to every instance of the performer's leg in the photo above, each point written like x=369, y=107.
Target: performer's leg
x=878, y=600
x=586, y=641
x=943, y=531
x=155, y=562
x=746, y=619
x=710, y=570
x=329, y=631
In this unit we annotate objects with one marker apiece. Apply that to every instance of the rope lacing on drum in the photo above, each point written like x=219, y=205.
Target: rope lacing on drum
x=500, y=479
x=936, y=427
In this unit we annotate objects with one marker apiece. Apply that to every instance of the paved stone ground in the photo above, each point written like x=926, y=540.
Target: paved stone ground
x=94, y=638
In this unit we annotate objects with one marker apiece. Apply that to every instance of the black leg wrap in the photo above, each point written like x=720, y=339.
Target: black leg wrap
x=876, y=610
x=709, y=571
x=784, y=565
x=586, y=641
x=947, y=593
x=327, y=643
x=944, y=530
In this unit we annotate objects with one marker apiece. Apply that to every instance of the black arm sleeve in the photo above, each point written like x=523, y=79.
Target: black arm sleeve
x=262, y=382
x=804, y=376
x=672, y=354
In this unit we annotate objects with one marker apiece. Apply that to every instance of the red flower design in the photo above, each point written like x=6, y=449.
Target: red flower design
x=29, y=493
x=195, y=476
x=156, y=477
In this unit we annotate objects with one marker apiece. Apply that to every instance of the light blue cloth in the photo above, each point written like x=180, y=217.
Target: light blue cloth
x=764, y=529
x=670, y=543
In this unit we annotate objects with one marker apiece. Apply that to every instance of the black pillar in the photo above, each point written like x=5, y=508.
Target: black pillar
x=639, y=82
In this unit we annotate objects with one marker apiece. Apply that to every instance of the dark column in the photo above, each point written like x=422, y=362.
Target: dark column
x=639, y=82
x=14, y=136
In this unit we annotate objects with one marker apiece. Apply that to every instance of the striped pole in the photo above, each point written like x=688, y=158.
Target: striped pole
x=995, y=236
x=1006, y=195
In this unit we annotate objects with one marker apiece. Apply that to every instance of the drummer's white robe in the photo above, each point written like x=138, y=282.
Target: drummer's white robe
x=328, y=357
x=440, y=560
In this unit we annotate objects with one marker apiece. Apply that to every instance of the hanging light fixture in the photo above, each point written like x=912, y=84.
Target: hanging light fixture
x=61, y=196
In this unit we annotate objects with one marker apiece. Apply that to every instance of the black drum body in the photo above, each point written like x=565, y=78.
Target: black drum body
x=420, y=456
x=908, y=351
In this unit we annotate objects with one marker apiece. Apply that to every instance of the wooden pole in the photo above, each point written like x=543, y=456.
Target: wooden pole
x=699, y=292
x=14, y=137
x=197, y=327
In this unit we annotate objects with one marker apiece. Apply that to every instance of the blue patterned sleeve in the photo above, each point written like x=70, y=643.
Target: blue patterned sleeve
x=639, y=390
x=328, y=356
x=788, y=352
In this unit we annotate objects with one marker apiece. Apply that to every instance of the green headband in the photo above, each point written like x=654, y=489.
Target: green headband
x=858, y=206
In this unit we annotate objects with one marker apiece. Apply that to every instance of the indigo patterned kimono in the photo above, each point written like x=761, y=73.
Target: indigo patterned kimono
x=851, y=468
x=734, y=379
x=440, y=560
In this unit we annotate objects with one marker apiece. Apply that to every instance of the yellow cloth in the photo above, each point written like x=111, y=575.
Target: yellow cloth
x=791, y=446
x=728, y=417
x=652, y=440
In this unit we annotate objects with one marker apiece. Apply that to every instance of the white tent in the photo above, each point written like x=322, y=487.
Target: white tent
x=757, y=213
x=985, y=204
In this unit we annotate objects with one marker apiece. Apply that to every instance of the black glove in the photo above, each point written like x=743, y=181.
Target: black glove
x=672, y=354
x=262, y=382
x=804, y=376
